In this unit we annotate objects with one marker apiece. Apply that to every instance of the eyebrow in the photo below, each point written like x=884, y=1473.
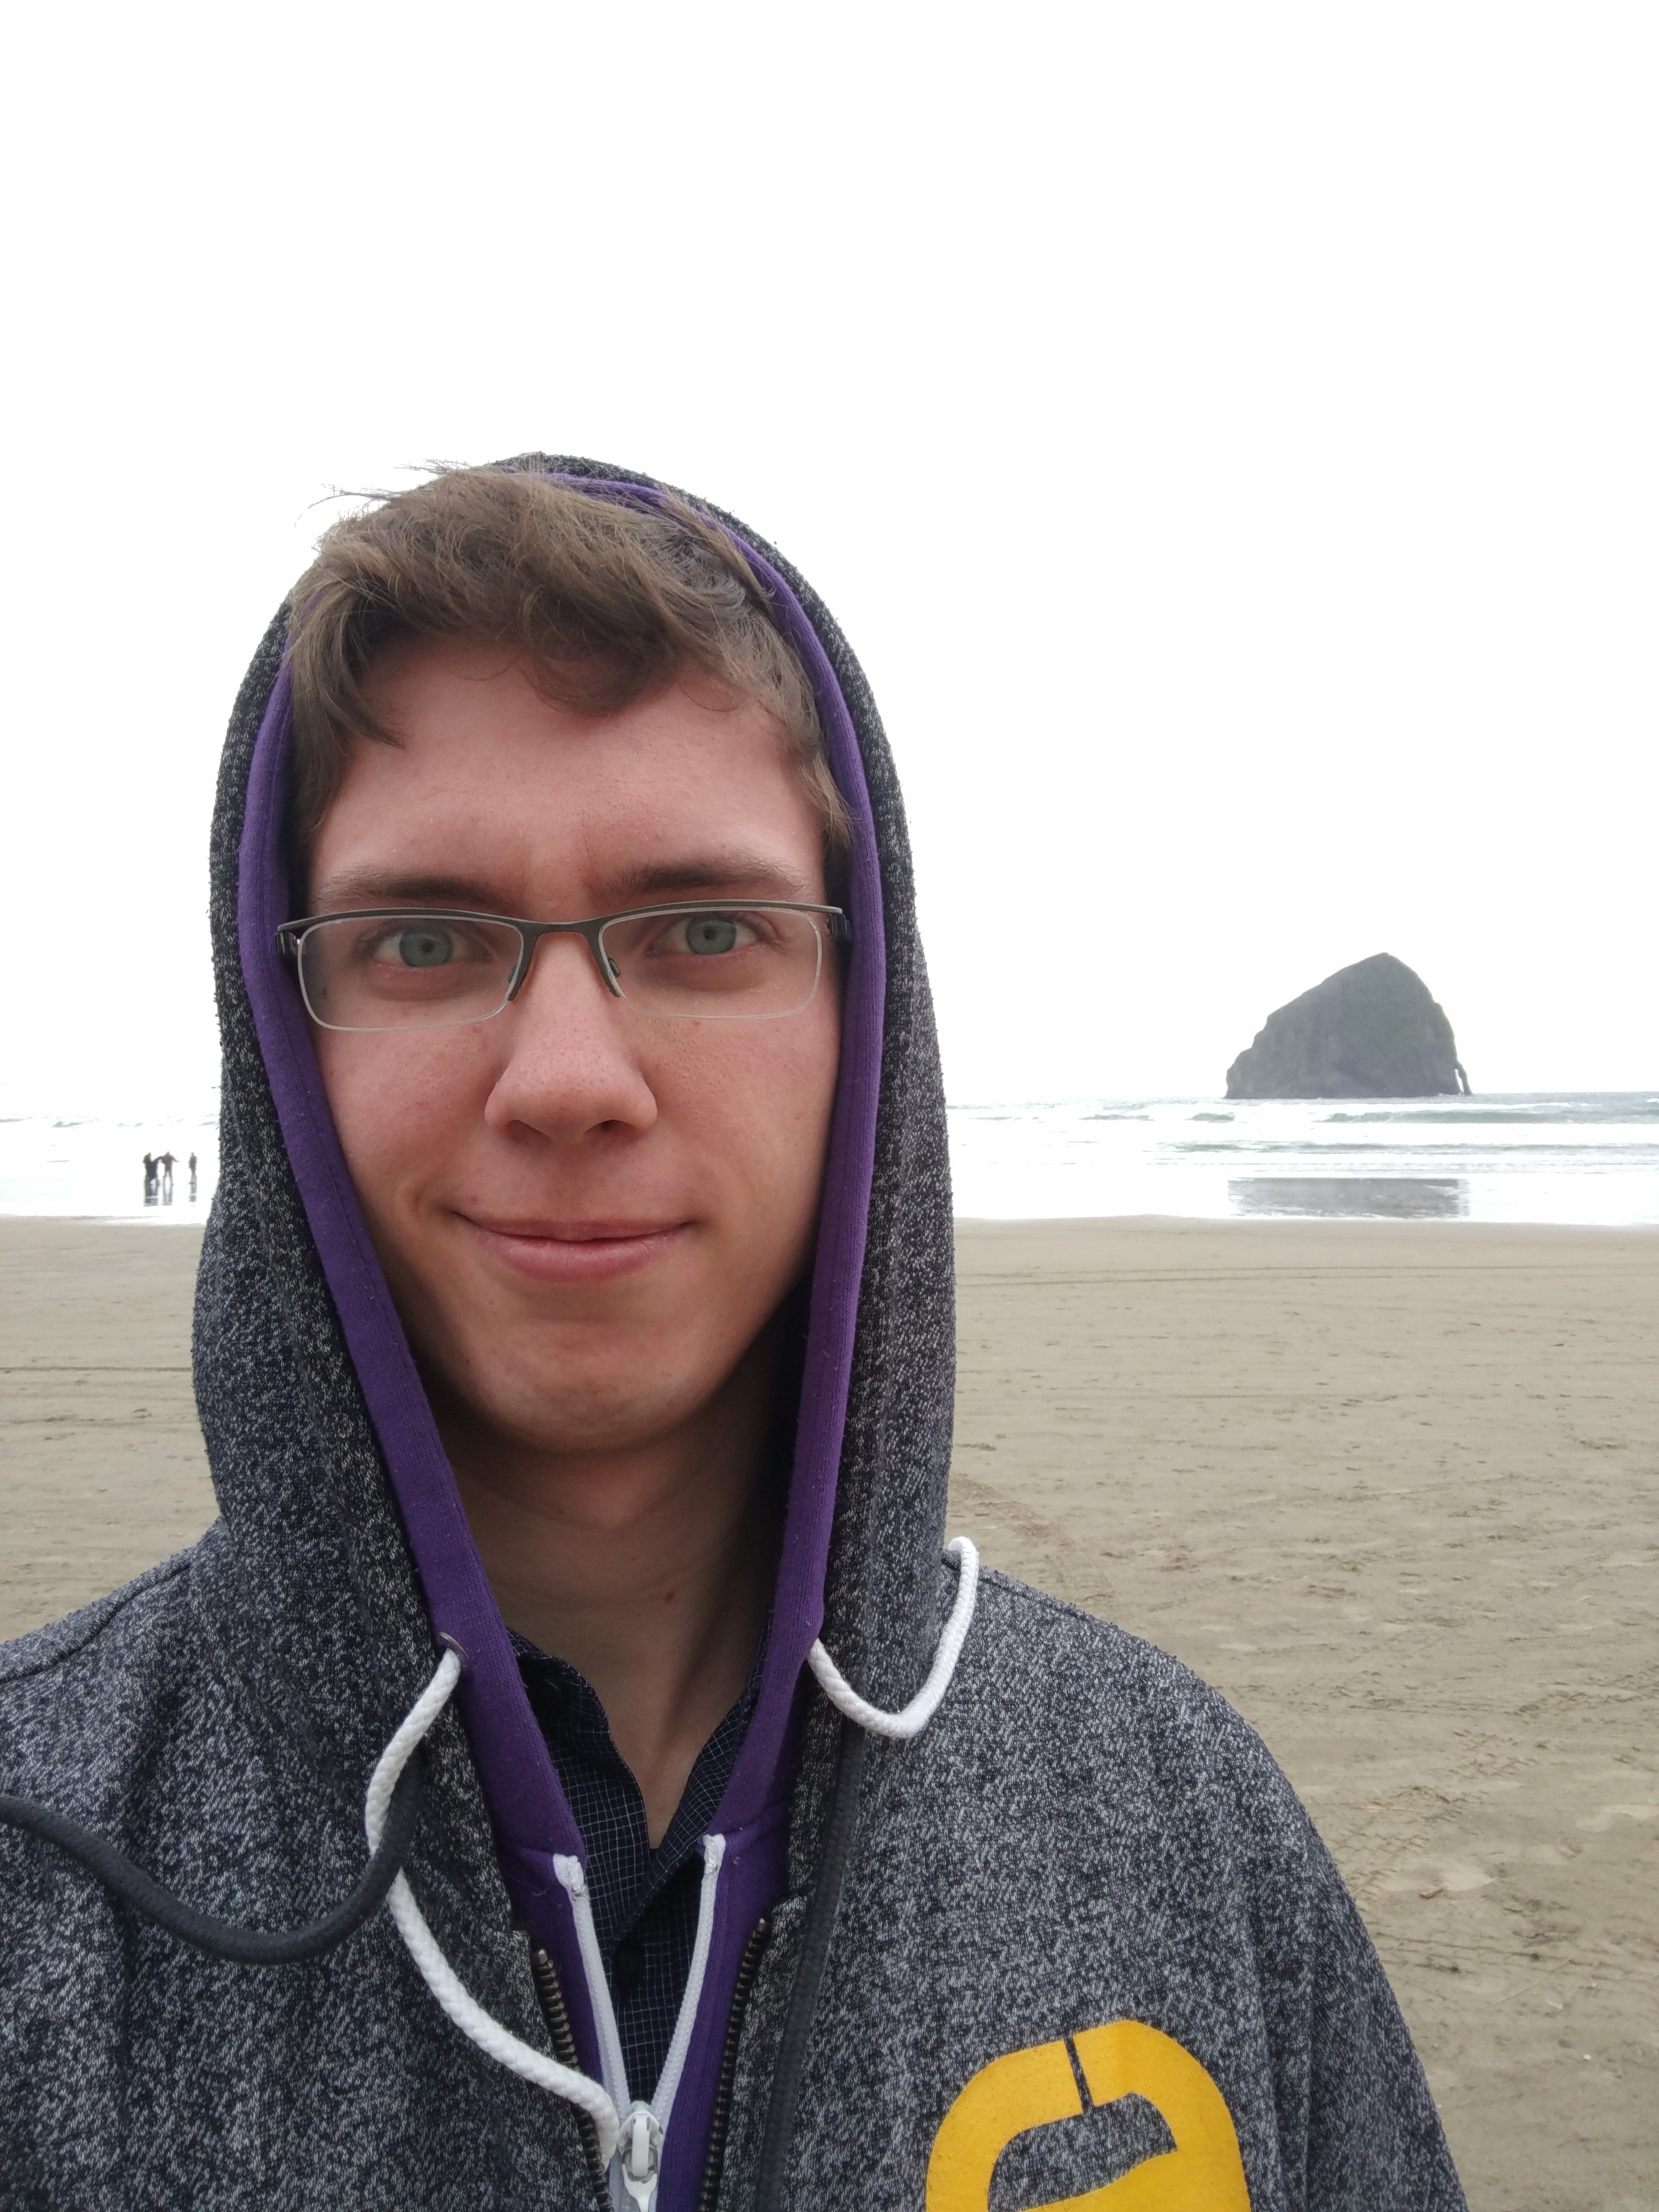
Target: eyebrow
x=371, y=887
x=743, y=874
x=717, y=871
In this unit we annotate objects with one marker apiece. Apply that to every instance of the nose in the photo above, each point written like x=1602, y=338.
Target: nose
x=571, y=1062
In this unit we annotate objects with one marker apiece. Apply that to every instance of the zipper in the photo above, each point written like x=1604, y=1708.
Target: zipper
x=748, y=1965
x=839, y=1829
x=644, y=2125
x=545, y=1976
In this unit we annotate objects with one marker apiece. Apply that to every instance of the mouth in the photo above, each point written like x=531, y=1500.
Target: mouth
x=576, y=1251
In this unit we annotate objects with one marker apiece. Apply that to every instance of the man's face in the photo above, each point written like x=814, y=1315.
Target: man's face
x=586, y=1213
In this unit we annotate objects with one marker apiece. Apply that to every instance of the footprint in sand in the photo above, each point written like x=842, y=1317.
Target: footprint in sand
x=1460, y=1879
x=1598, y=1823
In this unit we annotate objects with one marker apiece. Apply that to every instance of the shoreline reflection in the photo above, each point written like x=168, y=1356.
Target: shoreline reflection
x=1351, y=1198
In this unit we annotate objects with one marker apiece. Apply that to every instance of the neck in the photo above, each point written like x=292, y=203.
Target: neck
x=647, y=1568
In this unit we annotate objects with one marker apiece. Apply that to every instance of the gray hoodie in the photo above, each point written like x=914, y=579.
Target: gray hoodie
x=1062, y=1935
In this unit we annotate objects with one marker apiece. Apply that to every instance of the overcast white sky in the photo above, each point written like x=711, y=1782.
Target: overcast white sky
x=1227, y=434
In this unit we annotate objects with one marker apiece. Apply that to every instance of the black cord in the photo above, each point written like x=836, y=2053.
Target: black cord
x=809, y=1976
x=224, y=1939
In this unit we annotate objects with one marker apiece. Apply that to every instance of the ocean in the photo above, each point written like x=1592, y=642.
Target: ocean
x=1566, y=1156
x=93, y=1165
x=1584, y=1156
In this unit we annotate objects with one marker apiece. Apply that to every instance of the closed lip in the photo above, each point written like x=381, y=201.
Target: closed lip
x=575, y=1251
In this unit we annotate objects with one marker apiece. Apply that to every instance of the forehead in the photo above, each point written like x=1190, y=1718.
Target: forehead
x=530, y=801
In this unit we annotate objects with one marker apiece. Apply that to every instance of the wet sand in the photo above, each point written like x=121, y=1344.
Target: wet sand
x=1394, y=1487
x=101, y=1466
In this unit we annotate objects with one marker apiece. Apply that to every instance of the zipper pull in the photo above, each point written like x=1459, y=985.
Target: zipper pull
x=639, y=2154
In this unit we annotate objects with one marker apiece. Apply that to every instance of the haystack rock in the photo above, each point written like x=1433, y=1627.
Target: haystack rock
x=1368, y=1031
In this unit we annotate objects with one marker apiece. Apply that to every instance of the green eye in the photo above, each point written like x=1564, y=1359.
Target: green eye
x=425, y=948
x=711, y=932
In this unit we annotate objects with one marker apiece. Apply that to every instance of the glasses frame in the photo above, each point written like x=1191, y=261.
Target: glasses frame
x=291, y=936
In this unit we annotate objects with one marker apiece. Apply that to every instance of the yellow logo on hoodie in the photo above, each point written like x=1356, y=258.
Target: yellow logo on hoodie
x=1029, y=2088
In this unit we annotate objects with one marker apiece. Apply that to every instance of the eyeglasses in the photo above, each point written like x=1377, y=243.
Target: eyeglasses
x=395, y=968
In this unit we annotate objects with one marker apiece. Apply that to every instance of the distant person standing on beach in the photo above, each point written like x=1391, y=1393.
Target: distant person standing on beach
x=574, y=1348
x=192, y=1178
x=167, y=1164
x=149, y=1178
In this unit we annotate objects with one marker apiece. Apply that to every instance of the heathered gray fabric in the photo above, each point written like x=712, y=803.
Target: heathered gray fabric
x=1083, y=1833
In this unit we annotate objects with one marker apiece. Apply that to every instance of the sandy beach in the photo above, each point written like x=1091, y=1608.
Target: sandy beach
x=1394, y=1487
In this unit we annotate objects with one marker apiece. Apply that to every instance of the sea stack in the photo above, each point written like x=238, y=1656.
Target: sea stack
x=1368, y=1031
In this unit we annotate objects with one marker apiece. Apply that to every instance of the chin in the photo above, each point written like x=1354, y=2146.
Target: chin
x=567, y=1412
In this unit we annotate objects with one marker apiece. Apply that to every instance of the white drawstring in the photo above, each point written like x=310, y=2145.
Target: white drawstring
x=492, y=2039
x=899, y=1727
x=668, y=2081
x=573, y=1882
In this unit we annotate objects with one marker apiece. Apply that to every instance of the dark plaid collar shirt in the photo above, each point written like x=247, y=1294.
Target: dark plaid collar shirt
x=645, y=1902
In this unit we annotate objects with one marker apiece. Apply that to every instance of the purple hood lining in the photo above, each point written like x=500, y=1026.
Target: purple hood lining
x=532, y=1817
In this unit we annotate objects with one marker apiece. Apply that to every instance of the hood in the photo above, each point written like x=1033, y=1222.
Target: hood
x=353, y=1553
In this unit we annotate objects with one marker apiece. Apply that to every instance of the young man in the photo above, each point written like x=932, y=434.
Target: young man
x=574, y=1336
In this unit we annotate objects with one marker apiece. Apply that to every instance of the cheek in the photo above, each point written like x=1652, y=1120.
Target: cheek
x=768, y=1119
x=395, y=1106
